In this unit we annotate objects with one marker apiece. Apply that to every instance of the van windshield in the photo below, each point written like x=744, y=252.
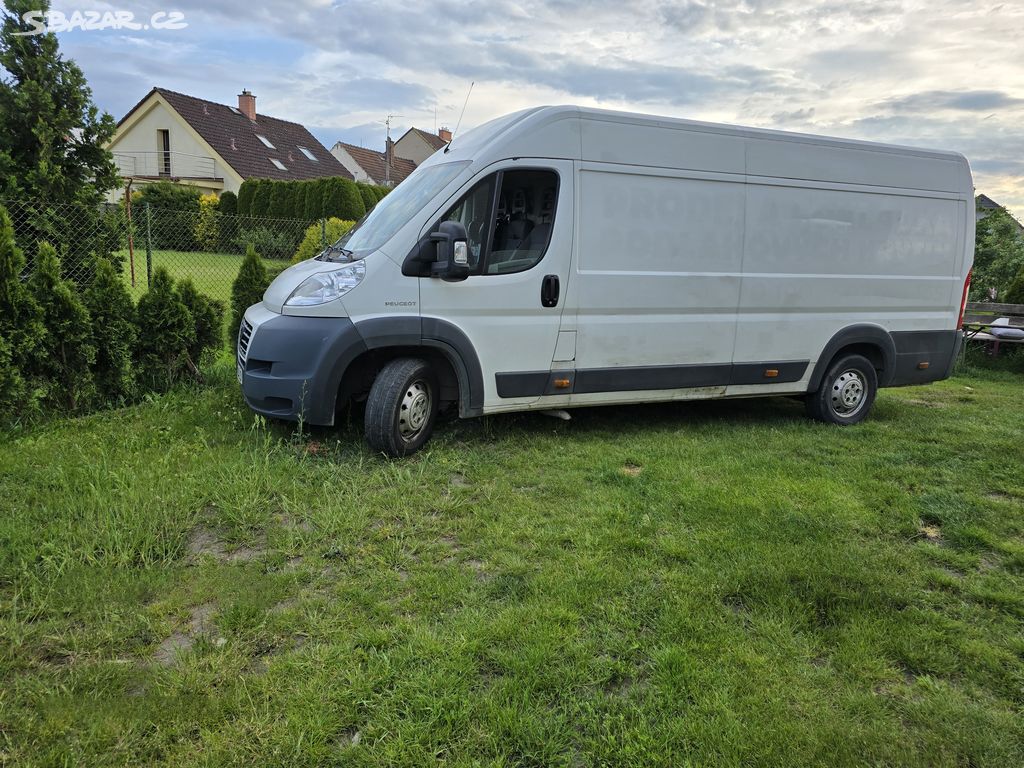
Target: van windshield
x=397, y=207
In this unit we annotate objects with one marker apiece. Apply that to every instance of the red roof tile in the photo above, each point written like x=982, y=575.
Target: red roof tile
x=235, y=138
x=372, y=162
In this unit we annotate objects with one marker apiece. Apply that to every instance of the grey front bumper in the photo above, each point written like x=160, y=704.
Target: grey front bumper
x=290, y=367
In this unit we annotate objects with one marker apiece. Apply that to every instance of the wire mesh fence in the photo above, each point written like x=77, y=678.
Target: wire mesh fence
x=204, y=246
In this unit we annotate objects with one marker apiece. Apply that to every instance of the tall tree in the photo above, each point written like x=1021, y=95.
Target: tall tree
x=52, y=137
x=998, y=254
x=22, y=333
x=68, y=348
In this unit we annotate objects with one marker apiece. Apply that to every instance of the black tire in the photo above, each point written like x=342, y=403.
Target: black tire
x=847, y=392
x=401, y=408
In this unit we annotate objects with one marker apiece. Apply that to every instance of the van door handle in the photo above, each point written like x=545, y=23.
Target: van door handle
x=549, y=291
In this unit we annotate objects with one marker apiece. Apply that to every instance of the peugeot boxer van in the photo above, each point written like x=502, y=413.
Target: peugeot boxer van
x=561, y=257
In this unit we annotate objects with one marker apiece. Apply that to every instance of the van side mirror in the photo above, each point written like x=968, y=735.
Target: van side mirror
x=452, y=243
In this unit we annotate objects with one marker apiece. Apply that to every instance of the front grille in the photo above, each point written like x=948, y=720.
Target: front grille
x=244, y=337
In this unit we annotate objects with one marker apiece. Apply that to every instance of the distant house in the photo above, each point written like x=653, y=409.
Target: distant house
x=417, y=145
x=398, y=159
x=984, y=205
x=371, y=166
x=179, y=138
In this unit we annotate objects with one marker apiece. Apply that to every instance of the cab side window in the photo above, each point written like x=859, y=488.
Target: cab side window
x=473, y=211
x=508, y=218
x=524, y=216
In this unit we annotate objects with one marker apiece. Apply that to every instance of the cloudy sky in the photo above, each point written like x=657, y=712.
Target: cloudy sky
x=936, y=73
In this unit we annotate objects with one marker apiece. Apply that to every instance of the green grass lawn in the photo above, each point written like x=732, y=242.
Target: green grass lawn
x=213, y=273
x=722, y=583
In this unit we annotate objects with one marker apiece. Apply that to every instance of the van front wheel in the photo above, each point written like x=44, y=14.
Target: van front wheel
x=401, y=407
x=846, y=393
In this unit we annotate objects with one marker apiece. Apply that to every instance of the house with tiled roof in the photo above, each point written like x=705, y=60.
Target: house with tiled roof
x=373, y=167
x=398, y=159
x=417, y=145
x=213, y=147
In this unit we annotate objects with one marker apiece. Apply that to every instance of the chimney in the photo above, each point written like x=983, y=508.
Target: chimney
x=247, y=104
x=444, y=135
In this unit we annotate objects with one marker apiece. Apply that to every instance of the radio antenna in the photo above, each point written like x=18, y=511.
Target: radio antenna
x=460, y=116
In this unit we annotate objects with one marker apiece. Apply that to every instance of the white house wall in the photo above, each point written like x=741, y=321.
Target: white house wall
x=142, y=137
x=350, y=164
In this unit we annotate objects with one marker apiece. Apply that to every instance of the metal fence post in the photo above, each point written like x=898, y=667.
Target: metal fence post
x=149, y=250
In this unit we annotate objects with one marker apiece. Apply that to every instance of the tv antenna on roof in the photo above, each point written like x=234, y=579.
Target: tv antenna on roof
x=387, y=149
x=460, y=116
x=387, y=124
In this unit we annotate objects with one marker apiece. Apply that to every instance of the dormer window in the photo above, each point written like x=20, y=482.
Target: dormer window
x=308, y=154
x=277, y=163
x=266, y=141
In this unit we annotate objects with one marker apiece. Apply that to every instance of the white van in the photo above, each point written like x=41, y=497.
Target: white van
x=561, y=256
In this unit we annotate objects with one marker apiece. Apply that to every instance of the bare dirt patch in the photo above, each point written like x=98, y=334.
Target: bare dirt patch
x=204, y=542
x=930, y=532
x=459, y=481
x=631, y=470
x=478, y=567
x=181, y=641
x=288, y=521
x=1000, y=496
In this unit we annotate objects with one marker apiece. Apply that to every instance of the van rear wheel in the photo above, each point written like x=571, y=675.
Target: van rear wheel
x=402, y=407
x=847, y=392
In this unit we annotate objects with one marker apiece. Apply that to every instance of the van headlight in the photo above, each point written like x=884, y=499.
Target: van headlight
x=327, y=286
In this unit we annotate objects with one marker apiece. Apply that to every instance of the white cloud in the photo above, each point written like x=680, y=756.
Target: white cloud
x=944, y=73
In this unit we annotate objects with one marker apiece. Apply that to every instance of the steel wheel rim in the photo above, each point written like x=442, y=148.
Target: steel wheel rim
x=414, y=411
x=849, y=393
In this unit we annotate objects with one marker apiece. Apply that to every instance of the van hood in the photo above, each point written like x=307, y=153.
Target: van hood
x=285, y=283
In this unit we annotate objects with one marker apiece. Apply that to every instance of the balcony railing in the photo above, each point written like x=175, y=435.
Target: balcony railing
x=165, y=165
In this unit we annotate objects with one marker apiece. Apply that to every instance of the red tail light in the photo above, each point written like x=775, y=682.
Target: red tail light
x=963, y=299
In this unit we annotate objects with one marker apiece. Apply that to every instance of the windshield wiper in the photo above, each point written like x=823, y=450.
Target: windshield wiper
x=327, y=253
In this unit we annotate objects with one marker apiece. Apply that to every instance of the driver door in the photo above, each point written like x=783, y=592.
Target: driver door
x=519, y=221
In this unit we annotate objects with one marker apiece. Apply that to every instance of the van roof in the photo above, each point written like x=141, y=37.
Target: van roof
x=629, y=138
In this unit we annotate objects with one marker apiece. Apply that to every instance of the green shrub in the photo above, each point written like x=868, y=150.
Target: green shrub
x=228, y=205
x=282, y=201
x=248, y=288
x=68, y=351
x=172, y=221
x=314, y=241
x=261, y=198
x=168, y=196
x=272, y=241
x=369, y=198
x=382, y=192
x=342, y=200
x=113, y=331
x=315, y=199
x=12, y=385
x=165, y=334
x=208, y=317
x=21, y=327
x=300, y=189
x=245, y=193
x=207, y=227
x=1015, y=290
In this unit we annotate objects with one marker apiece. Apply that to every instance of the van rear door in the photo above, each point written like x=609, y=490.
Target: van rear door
x=518, y=215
